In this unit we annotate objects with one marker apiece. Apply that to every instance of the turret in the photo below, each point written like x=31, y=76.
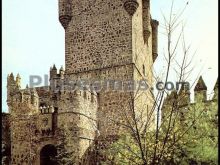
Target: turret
x=20, y=101
x=18, y=81
x=27, y=95
x=53, y=72
x=24, y=106
x=62, y=72
x=146, y=20
x=56, y=79
x=11, y=88
x=200, y=90
x=154, y=24
x=34, y=98
x=53, y=75
x=10, y=80
x=131, y=6
x=65, y=12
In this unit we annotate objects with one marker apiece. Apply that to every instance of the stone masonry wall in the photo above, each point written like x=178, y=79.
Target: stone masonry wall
x=98, y=35
x=6, y=140
x=104, y=40
x=77, y=113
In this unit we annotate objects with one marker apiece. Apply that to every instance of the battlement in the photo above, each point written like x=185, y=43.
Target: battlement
x=19, y=100
x=28, y=95
x=45, y=110
x=78, y=94
x=111, y=39
x=200, y=92
x=182, y=97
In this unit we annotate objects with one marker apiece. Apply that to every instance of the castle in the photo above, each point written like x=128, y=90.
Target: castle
x=182, y=99
x=104, y=40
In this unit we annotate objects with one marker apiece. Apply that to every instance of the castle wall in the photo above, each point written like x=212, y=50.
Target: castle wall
x=30, y=125
x=98, y=35
x=77, y=116
x=104, y=40
x=23, y=148
x=109, y=102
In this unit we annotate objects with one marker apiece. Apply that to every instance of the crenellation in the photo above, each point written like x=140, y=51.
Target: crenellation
x=183, y=95
x=46, y=109
x=104, y=41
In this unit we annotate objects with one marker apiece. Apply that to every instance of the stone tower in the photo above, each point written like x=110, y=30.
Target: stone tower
x=23, y=106
x=200, y=90
x=114, y=40
x=110, y=40
x=105, y=40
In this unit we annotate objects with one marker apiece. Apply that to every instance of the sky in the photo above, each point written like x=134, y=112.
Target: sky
x=33, y=39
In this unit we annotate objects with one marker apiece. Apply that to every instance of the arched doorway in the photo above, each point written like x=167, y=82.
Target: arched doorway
x=48, y=154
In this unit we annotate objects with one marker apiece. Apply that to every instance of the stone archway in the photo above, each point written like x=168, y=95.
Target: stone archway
x=48, y=154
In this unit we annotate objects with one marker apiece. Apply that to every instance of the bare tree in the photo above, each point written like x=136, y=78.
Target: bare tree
x=139, y=143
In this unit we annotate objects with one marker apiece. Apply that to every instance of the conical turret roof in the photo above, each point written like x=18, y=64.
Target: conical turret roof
x=18, y=76
x=61, y=68
x=200, y=85
x=11, y=76
x=54, y=67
